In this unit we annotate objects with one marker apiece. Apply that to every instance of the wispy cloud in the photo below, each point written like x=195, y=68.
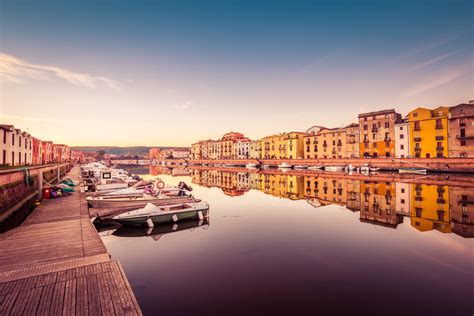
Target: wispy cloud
x=52, y=120
x=15, y=70
x=432, y=61
x=183, y=106
x=435, y=80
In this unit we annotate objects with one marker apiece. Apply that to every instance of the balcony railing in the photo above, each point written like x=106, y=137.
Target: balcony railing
x=417, y=139
x=465, y=137
x=440, y=201
x=439, y=148
x=439, y=137
x=418, y=149
x=439, y=126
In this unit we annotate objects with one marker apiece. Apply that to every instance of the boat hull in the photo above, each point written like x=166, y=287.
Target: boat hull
x=138, y=203
x=164, y=218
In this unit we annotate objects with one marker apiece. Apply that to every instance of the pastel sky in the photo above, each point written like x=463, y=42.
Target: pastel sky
x=173, y=72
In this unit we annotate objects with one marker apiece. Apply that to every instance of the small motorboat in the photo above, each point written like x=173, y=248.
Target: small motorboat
x=152, y=214
x=251, y=165
x=413, y=170
x=284, y=165
x=349, y=168
x=300, y=167
x=314, y=168
x=334, y=168
x=374, y=169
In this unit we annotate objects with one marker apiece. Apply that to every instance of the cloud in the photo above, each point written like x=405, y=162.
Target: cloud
x=436, y=80
x=52, y=120
x=15, y=70
x=183, y=106
x=432, y=61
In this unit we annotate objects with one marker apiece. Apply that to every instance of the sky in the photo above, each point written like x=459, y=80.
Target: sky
x=170, y=73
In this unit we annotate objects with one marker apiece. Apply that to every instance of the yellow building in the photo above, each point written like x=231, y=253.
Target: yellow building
x=332, y=143
x=285, y=186
x=430, y=208
x=283, y=146
x=326, y=190
x=429, y=132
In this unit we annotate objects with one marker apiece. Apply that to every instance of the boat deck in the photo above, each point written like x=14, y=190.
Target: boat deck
x=56, y=263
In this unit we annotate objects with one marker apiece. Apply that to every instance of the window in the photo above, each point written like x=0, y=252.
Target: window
x=13, y=139
x=19, y=141
x=403, y=190
x=417, y=126
x=402, y=147
x=402, y=201
x=402, y=136
x=366, y=127
x=415, y=114
x=387, y=154
x=4, y=137
x=387, y=125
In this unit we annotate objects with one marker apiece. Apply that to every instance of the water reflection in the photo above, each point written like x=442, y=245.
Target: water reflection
x=447, y=209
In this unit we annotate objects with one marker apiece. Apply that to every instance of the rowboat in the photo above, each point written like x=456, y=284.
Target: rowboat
x=152, y=214
x=412, y=170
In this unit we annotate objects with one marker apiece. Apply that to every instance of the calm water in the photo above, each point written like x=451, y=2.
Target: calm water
x=279, y=244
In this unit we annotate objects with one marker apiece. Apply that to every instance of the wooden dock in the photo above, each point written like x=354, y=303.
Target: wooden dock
x=56, y=264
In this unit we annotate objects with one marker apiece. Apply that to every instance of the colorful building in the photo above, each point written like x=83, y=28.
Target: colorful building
x=283, y=146
x=402, y=139
x=377, y=133
x=403, y=197
x=430, y=208
x=284, y=186
x=241, y=148
x=7, y=144
x=255, y=149
x=378, y=204
x=47, y=152
x=352, y=141
x=429, y=132
x=461, y=130
x=332, y=143
x=37, y=152
x=311, y=142
x=461, y=202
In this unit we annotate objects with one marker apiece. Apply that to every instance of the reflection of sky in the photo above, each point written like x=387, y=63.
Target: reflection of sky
x=172, y=72
x=266, y=254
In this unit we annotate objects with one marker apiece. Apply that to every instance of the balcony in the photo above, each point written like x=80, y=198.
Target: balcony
x=439, y=148
x=465, y=137
x=440, y=201
x=439, y=137
x=417, y=139
x=418, y=149
x=374, y=129
x=418, y=198
x=417, y=129
x=439, y=126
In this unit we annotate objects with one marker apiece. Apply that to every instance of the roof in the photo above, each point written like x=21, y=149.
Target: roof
x=389, y=111
x=6, y=126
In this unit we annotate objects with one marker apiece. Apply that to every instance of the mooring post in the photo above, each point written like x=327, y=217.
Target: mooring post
x=40, y=184
x=59, y=174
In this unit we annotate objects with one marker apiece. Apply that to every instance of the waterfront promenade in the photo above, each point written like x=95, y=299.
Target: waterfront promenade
x=55, y=263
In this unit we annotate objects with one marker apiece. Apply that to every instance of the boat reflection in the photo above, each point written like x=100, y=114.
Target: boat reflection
x=158, y=231
x=441, y=203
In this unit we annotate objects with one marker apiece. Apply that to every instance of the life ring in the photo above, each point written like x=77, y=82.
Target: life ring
x=160, y=184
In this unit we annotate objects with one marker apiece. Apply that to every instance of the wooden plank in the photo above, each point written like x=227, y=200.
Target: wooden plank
x=82, y=304
x=69, y=307
x=33, y=302
x=21, y=302
x=106, y=304
x=45, y=300
x=7, y=303
x=92, y=294
x=57, y=300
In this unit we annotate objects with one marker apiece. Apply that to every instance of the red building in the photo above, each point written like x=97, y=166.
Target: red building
x=37, y=152
x=47, y=152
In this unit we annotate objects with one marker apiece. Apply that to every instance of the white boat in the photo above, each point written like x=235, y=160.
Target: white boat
x=266, y=167
x=349, y=168
x=334, y=168
x=152, y=214
x=251, y=165
x=373, y=169
x=313, y=168
x=300, y=167
x=284, y=165
x=413, y=170
x=111, y=202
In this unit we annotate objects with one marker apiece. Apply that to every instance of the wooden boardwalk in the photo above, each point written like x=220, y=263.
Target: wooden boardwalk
x=55, y=263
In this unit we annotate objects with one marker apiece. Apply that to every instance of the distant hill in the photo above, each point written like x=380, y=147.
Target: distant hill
x=121, y=151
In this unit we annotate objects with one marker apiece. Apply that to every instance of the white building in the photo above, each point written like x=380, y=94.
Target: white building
x=403, y=201
x=241, y=147
x=402, y=140
x=7, y=137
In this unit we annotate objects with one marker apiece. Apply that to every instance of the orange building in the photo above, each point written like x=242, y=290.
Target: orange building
x=378, y=204
x=377, y=133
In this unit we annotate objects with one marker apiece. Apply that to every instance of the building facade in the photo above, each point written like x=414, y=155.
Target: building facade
x=241, y=148
x=461, y=130
x=429, y=132
x=283, y=146
x=377, y=133
x=430, y=208
x=331, y=143
x=352, y=141
x=36, y=152
x=6, y=145
x=255, y=149
x=402, y=140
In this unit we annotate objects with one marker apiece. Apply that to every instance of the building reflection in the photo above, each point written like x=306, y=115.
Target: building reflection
x=427, y=207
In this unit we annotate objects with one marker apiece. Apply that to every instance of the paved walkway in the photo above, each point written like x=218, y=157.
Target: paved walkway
x=56, y=263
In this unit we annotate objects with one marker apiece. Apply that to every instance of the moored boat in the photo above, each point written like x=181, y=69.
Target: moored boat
x=251, y=165
x=284, y=165
x=300, y=167
x=152, y=214
x=413, y=170
x=334, y=168
x=313, y=168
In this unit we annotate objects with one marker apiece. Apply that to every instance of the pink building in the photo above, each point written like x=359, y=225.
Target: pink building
x=47, y=152
x=37, y=157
